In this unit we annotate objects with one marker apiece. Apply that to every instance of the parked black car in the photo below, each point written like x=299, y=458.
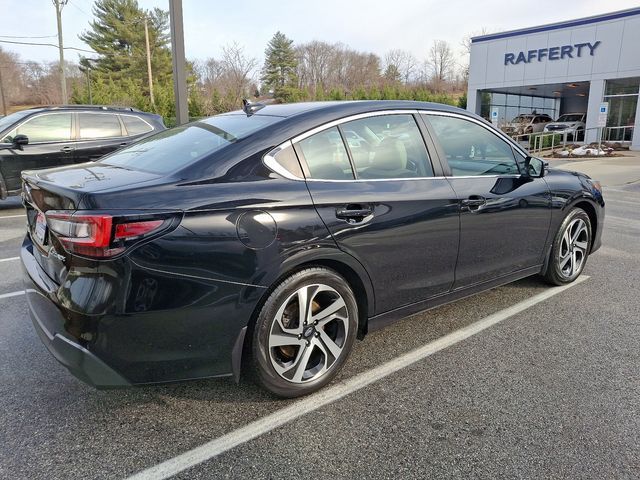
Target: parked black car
x=53, y=136
x=270, y=239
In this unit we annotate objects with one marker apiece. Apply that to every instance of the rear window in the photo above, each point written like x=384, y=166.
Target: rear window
x=178, y=147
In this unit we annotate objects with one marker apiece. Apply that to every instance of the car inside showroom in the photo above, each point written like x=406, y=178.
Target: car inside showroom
x=573, y=72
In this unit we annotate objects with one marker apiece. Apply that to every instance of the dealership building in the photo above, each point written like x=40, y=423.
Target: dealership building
x=566, y=67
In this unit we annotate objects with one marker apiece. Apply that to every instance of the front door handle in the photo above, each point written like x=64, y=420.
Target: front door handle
x=66, y=149
x=354, y=213
x=474, y=202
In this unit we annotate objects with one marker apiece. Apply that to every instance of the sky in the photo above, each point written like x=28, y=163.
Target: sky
x=372, y=26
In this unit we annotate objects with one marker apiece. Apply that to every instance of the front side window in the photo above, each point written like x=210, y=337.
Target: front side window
x=51, y=127
x=471, y=149
x=325, y=156
x=387, y=146
x=99, y=125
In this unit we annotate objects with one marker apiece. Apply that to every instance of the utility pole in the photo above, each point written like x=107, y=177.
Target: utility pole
x=179, y=68
x=4, y=101
x=89, y=85
x=149, y=73
x=63, y=81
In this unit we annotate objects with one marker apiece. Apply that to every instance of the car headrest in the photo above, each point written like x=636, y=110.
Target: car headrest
x=391, y=154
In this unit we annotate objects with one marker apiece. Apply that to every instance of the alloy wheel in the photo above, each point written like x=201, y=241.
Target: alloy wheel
x=573, y=248
x=308, y=333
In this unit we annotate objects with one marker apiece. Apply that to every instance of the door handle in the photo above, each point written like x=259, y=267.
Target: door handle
x=354, y=213
x=66, y=149
x=474, y=202
x=124, y=144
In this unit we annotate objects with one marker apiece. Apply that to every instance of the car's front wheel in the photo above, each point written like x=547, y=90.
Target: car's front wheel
x=570, y=248
x=304, y=332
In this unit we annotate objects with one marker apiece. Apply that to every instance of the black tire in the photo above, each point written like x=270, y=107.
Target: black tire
x=573, y=236
x=282, y=369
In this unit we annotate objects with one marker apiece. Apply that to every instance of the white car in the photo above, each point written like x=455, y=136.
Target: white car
x=573, y=124
x=527, y=123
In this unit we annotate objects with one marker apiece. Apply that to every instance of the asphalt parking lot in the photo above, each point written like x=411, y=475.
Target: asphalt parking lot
x=551, y=390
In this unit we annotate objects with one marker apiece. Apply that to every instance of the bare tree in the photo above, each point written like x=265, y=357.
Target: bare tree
x=238, y=70
x=441, y=63
x=402, y=62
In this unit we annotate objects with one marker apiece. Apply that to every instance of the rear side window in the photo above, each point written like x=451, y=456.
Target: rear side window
x=471, y=149
x=387, y=146
x=99, y=125
x=325, y=156
x=135, y=125
x=51, y=127
x=178, y=147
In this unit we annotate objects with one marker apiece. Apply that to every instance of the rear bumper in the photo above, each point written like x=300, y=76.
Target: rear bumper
x=48, y=322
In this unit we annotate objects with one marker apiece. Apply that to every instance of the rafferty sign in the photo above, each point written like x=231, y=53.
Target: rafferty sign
x=553, y=53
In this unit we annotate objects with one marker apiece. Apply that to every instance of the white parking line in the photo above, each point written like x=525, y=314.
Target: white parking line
x=10, y=259
x=12, y=216
x=11, y=294
x=329, y=395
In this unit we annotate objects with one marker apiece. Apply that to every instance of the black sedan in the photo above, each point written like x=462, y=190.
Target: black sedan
x=269, y=239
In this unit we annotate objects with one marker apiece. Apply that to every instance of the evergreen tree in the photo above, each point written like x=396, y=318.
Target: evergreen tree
x=279, y=71
x=117, y=35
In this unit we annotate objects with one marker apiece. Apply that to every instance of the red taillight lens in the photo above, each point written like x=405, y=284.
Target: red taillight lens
x=136, y=229
x=98, y=235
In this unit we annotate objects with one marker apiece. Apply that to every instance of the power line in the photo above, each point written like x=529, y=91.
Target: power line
x=46, y=45
x=36, y=36
x=79, y=9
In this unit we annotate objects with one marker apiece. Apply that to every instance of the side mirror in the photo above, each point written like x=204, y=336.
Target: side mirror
x=534, y=167
x=19, y=141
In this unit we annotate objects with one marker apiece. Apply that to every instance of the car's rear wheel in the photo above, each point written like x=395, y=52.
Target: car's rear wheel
x=570, y=248
x=304, y=332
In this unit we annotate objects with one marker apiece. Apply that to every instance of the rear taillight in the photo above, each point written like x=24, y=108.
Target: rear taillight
x=102, y=235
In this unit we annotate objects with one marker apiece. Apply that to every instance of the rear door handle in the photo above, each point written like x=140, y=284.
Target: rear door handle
x=354, y=213
x=473, y=202
x=66, y=149
x=124, y=144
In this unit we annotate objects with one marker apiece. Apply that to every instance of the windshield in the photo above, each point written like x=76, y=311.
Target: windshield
x=178, y=147
x=10, y=120
x=575, y=117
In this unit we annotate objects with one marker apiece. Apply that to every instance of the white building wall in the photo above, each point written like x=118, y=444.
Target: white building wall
x=617, y=56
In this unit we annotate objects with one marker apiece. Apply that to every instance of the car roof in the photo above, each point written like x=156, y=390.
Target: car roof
x=350, y=107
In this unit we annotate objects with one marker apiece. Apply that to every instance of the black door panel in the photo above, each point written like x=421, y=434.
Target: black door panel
x=404, y=232
x=504, y=223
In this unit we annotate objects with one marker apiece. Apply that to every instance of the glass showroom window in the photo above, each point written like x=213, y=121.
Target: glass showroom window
x=510, y=106
x=622, y=95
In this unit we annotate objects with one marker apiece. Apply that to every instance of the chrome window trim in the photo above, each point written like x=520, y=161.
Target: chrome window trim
x=350, y=118
x=41, y=114
x=270, y=161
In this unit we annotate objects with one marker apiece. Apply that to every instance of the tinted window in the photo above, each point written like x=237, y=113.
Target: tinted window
x=9, y=121
x=178, y=147
x=99, y=125
x=388, y=146
x=52, y=127
x=471, y=149
x=325, y=156
x=289, y=161
x=134, y=125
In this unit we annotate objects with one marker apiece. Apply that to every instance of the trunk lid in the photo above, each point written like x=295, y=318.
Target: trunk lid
x=64, y=189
